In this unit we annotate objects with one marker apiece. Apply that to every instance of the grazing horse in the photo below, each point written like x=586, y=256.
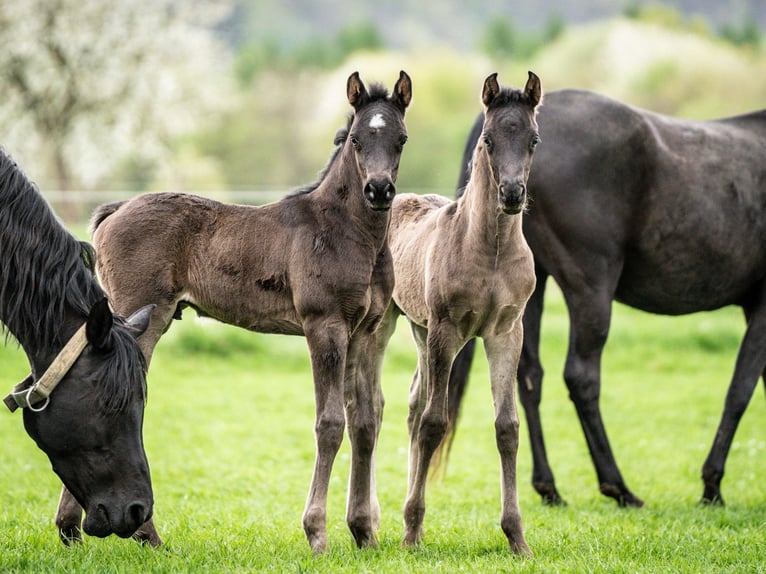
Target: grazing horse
x=316, y=264
x=451, y=264
x=83, y=403
x=661, y=214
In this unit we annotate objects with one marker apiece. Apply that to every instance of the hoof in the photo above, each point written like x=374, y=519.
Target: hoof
x=622, y=495
x=549, y=494
x=70, y=535
x=318, y=543
x=412, y=538
x=521, y=549
x=147, y=534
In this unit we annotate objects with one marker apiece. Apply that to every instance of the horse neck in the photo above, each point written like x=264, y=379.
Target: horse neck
x=487, y=228
x=342, y=189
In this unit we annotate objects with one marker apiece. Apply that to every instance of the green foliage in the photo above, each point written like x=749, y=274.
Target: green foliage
x=316, y=52
x=501, y=39
x=747, y=33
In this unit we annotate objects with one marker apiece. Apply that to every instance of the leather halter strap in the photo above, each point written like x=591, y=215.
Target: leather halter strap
x=26, y=396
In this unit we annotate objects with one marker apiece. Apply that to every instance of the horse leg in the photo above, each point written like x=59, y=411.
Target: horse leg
x=362, y=415
x=417, y=400
x=589, y=319
x=751, y=360
x=68, y=518
x=530, y=380
x=442, y=346
x=328, y=344
x=503, y=356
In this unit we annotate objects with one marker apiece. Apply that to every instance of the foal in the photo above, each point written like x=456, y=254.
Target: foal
x=316, y=263
x=451, y=263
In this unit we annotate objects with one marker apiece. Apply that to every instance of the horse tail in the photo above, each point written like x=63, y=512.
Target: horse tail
x=101, y=213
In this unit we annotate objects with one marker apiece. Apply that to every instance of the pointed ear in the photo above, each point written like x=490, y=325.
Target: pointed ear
x=490, y=90
x=402, y=91
x=533, y=90
x=355, y=91
x=139, y=321
x=99, y=326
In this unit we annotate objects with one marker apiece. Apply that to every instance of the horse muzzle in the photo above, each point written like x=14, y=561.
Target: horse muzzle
x=512, y=197
x=379, y=193
x=102, y=521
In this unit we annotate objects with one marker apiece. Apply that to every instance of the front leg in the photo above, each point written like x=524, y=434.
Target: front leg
x=328, y=344
x=363, y=402
x=68, y=518
x=503, y=355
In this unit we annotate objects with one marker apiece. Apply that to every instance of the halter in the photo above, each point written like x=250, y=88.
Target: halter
x=26, y=396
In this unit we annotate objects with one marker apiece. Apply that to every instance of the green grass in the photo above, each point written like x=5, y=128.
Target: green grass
x=229, y=437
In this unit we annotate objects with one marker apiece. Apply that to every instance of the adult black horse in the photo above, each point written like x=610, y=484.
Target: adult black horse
x=662, y=214
x=51, y=303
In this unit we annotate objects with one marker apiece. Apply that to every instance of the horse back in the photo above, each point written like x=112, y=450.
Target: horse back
x=649, y=203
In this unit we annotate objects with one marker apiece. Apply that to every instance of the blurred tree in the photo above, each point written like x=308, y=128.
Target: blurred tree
x=502, y=40
x=746, y=33
x=84, y=82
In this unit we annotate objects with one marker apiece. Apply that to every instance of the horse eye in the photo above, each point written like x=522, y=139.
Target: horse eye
x=534, y=143
x=354, y=142
x=402, y=141
x=487, y=142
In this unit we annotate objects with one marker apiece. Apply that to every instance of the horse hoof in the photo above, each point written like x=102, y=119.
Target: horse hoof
x=712, y=501
x=621, y=494
x=318, y=543
x=521, y=549
x=70, y=535
x=412, y=538
x=549, y=494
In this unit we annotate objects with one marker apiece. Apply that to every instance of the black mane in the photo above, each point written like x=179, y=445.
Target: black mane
x=376, y=93
x=46, y=275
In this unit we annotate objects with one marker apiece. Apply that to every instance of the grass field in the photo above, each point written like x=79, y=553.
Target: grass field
x=229, y=437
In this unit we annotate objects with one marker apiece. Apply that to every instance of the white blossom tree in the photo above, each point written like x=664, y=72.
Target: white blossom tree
x=83, y=83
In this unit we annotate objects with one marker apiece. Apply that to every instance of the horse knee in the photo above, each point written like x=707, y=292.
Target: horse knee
x=583, y=383
x=507, y=435
x=329, y=432
x=433, y=427
x=364, y=433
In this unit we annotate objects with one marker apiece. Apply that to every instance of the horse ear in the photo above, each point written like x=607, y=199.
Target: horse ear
x=490, y=90
x=356, y=92
x=99, y=326
x=139, y=321
x=403, y=91
x=533, y=90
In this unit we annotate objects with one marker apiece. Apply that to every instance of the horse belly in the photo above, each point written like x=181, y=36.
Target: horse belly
x=688, y=283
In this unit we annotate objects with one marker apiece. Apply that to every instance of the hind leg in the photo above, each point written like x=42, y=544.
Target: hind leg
x=751, y=360
x=530, y=377
x=590, y=314
x=442, y=346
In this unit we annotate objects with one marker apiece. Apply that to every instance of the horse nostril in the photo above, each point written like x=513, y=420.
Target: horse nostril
x=137, y=514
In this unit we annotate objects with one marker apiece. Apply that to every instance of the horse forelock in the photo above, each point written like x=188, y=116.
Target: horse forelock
x=508, y=96
x=45, y=274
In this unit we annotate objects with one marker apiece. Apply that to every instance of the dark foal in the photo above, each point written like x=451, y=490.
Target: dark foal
x=662, y=214
x=315, y=264
x=84, y=400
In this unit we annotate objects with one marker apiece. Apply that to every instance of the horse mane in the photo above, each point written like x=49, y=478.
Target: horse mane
x=376, y=93
x=45, y=273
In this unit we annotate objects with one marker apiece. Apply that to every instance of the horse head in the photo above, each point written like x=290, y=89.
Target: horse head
x=91, y=426
x=377, y=135
x=509, y=138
